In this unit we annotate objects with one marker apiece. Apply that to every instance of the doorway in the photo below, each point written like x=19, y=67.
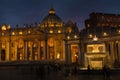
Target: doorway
x=74, y=53
x=3, y=54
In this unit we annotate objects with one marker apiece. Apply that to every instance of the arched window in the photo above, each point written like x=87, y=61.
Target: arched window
x=51, y=48
x=20, y=50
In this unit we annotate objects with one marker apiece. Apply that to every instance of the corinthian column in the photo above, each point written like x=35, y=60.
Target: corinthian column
x=25, y=50
x=45, y=50
x=66, y=53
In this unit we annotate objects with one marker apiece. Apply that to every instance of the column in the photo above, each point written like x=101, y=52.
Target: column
x=66, y=52
x=79, y=56
x=32, y=52
x=112, y=51
x=115, y=51
x=16, y=56
x=55, y=49
x=63, y=52
x=106, y=47
x=119, y=51
x=25, y=50
x=83, y=53
x=69, y=54
x=46, y=50
x=85, y=64
x=0, y=49
x=38, y=50
x=107, y=59
x=8, y=53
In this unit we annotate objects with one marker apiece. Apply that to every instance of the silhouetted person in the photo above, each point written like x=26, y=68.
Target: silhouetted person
x=75, y=70
x=106, y=73
x=88, y=72
x=88, y=69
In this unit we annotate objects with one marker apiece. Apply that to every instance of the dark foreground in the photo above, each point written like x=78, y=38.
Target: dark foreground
x=53, y=72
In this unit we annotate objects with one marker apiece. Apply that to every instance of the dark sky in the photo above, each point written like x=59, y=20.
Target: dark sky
x=30, y=11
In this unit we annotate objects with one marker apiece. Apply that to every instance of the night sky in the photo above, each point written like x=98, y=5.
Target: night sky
x=30, y=11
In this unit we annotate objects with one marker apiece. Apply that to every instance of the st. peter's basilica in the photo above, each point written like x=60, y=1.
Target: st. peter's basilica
x=96, y=45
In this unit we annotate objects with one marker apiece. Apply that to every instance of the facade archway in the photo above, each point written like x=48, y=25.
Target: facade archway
x=20, y=47
x=3, y=55
x=35, y=50
x=74, y=53
x=51, y=48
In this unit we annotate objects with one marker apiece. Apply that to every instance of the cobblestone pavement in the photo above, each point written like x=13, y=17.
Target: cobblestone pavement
x=85, y=76
x=30, y=74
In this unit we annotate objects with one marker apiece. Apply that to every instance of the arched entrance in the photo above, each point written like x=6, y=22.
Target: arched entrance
x=20, y=49
x=3, y=54
x=51, y=48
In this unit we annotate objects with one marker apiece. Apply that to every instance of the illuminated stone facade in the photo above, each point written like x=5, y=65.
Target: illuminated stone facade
x=103, y=20
x=54, y=40
x=100, y=41
x=51, y=40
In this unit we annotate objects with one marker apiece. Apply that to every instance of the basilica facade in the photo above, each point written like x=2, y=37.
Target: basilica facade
x=50, y=40
x=97, y=45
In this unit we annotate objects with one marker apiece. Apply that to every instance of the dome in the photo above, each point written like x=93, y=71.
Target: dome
x=52, y=20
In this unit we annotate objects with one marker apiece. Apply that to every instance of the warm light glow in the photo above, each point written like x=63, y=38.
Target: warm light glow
x=116, y=41
x=95, y=48
x=51, y=31
x=21, y=55
x=68, y=37
x=59, y=25
x=41, y=43
x=74, y=52
x=96, y=64
x=75, y=36
x=88, y=25
x=76, y=55
x=13, y=33
x=3, y=27
x=90, y=35
x=35, y=45
x=104, y=34
x=95, y=38
x=59, y=31
x=3, y=45
x=29, y=32
x=69, y=30
x=58, y=56
x=51, y=25
x=119, y=31
x=51, y=42
x=29, y=44
x=20, y=44
x=20, y=33
x=52, y=11
x=35, y=56
x=9, y=26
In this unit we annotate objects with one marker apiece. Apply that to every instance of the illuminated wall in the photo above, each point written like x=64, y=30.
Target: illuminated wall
x=46, y=41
